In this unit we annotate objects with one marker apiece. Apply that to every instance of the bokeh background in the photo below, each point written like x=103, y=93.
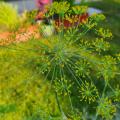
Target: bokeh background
x=110, y=8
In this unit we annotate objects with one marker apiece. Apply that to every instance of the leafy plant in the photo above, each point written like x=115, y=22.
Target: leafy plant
x=69, y=1
x=30, y=16
x=8, y=16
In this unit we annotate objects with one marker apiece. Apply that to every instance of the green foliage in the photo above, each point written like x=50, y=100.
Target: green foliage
x=79, y=9
x=117, y=94
x=30, y=16
x=23, y=91
x=58, y=8
x=69, y=1
x=104, y=33
x=7, y=108
x=8, y=16
x=81, y=74
x=111, y=9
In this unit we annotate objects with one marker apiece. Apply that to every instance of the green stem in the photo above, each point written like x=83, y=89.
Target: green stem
x=58, y=102
x=60, y=108
x=106, y=84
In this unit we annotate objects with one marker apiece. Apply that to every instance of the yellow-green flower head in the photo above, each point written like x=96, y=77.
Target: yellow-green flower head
x=82, y=68
x=118, y=57
x=62, y=86
x=59, y=7
x=88, y=92
x=106, y=109
x=101, y=45
x=107, y=67
x=79, y=9
x=97, y=17
x=117, y=94
x=104, y=33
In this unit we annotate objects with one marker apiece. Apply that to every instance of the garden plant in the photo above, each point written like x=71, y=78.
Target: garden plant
x=65, y=76
x=9, y=18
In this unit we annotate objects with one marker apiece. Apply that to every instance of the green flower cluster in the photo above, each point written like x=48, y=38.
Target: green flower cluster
x=88, y=92
x=106, y=109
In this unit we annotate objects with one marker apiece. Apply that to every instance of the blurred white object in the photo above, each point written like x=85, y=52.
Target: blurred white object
x=78, y=1
x=93, y=10
x=39, y=22
x=46, y=29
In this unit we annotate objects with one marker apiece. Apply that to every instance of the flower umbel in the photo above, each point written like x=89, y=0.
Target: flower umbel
x=82, y=68
x=101, y=45
x=106, y=109
x=62, y=87
x=88, y=92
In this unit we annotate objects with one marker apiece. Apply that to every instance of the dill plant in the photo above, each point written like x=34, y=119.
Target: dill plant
x=85, y=63
x=82, y=76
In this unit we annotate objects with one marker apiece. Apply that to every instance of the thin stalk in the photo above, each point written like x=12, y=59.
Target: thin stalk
x=106, y=84
x=68, y=92
x=73, y=75
x=59, y=106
